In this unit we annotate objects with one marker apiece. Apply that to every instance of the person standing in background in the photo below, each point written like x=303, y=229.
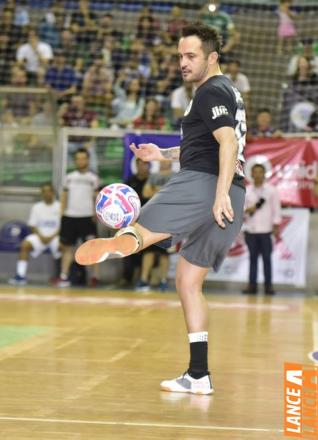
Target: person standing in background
x=78, y=212
x=137, y=181
x=153, y=253
x=263, y=217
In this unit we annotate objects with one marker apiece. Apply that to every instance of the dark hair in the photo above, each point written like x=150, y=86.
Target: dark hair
x=47, y=184
x=234, y=61
x=259, y=165
x=211, y=40
x=264, y=110
x=82, y=150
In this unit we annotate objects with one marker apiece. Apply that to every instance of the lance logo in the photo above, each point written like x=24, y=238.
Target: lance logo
x=301, y=401
x=219, y=110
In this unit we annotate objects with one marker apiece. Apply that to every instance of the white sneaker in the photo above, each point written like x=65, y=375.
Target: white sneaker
x=17, y=281
x=61, y=282
x=187, y=384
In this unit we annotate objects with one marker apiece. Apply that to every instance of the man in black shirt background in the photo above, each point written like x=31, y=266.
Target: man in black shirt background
x=202, y=205
x=136, y=181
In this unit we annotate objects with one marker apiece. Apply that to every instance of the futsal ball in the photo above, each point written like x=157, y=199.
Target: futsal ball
x=117, y=205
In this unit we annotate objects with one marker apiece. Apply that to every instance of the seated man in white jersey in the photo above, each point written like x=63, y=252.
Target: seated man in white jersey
x=45, y=224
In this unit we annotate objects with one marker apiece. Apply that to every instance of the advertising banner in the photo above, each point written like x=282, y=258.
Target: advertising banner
x=291, y=164
x=289, y=258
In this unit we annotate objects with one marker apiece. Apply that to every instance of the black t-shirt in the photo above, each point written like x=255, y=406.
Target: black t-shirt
x=138, y=184
x=216, y=103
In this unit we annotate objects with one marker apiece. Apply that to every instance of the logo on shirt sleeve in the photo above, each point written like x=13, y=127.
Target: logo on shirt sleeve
x=219, y=110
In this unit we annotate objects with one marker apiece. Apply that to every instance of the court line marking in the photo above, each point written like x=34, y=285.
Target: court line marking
x=136, y=302
x=137, y=424
x=26, y=345
x=86, y=387
x=123, y=353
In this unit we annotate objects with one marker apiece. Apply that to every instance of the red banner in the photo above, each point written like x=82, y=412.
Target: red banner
x=291, y=165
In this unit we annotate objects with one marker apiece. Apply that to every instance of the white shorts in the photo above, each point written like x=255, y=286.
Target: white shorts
x=39, y=247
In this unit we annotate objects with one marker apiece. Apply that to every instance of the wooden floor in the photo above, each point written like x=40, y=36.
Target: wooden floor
x=86, y=364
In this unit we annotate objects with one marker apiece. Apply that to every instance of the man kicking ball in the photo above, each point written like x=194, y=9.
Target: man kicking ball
x=202, y=205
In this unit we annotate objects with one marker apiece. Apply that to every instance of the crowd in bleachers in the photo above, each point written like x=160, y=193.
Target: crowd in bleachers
x=80, y=50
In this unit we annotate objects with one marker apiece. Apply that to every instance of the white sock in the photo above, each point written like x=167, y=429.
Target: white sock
x=22, y=266
x=198, y=337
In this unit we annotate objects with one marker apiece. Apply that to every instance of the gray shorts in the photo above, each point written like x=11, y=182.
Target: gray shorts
x=183, y=209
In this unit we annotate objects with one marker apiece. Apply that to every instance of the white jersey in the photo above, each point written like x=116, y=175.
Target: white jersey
x=241, y=82
x=80, y=188
x=26, y=52
x=45, y=218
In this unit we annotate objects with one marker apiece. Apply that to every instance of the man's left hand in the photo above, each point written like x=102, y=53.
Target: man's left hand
x=222, y=209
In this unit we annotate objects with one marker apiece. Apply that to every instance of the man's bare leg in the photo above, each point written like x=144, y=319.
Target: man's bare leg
x=189, y=282
x=133, y=239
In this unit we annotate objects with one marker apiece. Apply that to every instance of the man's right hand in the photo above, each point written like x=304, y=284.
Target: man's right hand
x=147, y=152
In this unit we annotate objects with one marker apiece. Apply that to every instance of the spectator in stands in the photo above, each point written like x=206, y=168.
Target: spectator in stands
x=264, y=126
x=137, y=182
x=128, y=71
x=45, y=224
x=152, y=253
x=8, y=28
x=106, y=111
x=299, y=98
x=313, y=122
x=107, y=29
x=106, y=51
x=76, y=114
x=6, y=57
x=175, y=23
x=180, y=99
x=69, y=47
x=84, y=24
x=166, y=80
x=308, y=53
x=240, y=81
x=211, y=15
x=95, y=83
x=151, y=119
x=129, y=104
x=304, y=75
x=52, y=24
x=22, y=16
x=286, y=31
x=19, y=103
x=146, y=31
x=78, y=212
x=141, y=53
x=18, y=77
x=34, y=56
x=146, y=12
x=61, y=78
x=165, y=47
x=263, y=217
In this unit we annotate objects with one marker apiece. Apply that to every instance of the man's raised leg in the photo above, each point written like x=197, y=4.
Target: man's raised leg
x=127, y=241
